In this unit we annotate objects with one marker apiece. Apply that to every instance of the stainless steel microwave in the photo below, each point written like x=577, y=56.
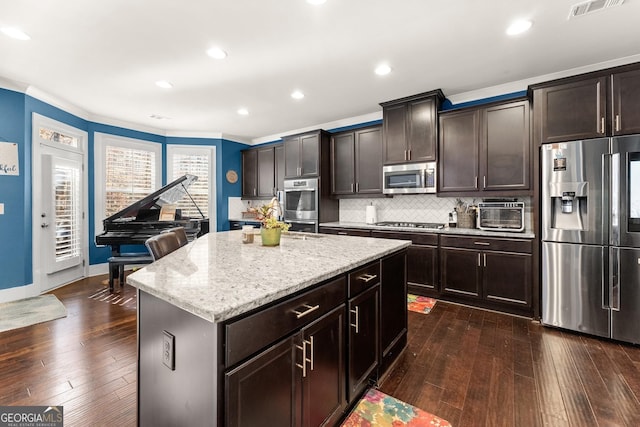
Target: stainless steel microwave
x=409, y=178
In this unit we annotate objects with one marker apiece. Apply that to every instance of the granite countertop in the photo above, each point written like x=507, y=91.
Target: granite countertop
x=526, y=234
x=217, y=277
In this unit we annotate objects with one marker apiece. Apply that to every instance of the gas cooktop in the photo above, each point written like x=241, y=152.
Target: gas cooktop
x=432, y=225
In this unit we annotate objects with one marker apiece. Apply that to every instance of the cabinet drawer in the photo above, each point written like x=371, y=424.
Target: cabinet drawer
x=416, y=238
x=487, y=243
x=363, y=278
x=244, y=337
x=346, y=231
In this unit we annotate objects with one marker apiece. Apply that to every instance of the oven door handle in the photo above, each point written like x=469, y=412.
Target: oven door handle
x=300, y=222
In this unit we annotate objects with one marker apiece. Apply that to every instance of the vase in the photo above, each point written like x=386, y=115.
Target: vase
x=270, y=236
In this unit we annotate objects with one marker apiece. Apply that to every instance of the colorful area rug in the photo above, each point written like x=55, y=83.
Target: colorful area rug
x=381, y=410
x=420, y=304
x=29, y=311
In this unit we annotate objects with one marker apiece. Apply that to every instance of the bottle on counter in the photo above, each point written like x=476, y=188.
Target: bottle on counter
x=247, y=234
x=453, y=219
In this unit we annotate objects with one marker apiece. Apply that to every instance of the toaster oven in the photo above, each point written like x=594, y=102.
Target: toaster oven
x=501, y=216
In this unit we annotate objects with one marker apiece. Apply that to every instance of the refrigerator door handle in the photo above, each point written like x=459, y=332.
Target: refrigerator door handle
x=615, y=279
x=615, y=199
x=606, y=282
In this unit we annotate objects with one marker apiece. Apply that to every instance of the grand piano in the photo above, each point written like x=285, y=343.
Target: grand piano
x=137, y=222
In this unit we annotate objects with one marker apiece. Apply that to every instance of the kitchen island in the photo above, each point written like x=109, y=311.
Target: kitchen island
x=234, y=334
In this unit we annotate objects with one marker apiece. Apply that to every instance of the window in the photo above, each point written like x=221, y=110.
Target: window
x=126, y=171
x=199, y=161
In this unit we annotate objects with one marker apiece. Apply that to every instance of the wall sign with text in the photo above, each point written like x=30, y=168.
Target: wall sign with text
x=9, y=158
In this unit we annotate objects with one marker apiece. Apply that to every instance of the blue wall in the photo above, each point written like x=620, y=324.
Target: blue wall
x=16, y=111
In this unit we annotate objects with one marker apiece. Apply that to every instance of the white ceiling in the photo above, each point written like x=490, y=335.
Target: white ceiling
x=104, y=56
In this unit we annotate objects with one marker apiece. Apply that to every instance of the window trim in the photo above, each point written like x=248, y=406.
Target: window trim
x=101, y=141
x=210, y=150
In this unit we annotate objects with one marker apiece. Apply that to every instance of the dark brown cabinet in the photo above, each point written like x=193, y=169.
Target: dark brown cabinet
x=496, y=271
x=345, y=231
x=364, y=323
x=422, y=261
x=485, y=148
x=410, y=128
x=302, y=376
x=356, y=162
x=393, y=308
x=261, y=172
x=302, y=154
x=593, y=105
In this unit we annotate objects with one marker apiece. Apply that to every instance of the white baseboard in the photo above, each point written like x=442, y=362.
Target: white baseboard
x=19, y=292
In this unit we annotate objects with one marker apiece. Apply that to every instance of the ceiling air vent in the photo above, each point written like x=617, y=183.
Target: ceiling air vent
x=592, y=6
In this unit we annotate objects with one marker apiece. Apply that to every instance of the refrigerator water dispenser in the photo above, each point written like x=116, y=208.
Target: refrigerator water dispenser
x=569, y=205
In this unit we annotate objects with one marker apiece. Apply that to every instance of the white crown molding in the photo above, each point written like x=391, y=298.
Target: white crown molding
x=109, y=121
x=13, y=85
x=208, y=135
x=521, y=85
x=329, y=125
x=57, y=102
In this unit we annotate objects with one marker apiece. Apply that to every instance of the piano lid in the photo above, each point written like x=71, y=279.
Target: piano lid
x=167, y=195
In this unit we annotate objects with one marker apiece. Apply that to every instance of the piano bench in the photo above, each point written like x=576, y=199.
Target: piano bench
x=119, y=262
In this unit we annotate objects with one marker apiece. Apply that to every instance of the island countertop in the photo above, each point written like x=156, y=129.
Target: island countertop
x=218, y=277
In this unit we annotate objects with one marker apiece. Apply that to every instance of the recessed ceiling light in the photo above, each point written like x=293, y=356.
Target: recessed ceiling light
x=217, y=53
x=243, y=111
x=296, y=94
x=164, y=84
x=15, y=33
x=519, y=27
x=316, y=2
x=383, y=69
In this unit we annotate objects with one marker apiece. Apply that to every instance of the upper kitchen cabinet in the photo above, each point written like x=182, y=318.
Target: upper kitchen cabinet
x=410, y=128
x=302, y=154
x=356, y=162
x=485, y=149
x=278, y=152
x=603, y=103
x=260, y=171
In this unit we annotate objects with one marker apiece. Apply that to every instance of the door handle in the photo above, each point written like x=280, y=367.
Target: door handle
x=44, y=225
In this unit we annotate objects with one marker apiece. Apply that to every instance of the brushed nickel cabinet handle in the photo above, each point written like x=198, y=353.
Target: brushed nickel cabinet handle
x=475, y=182
x=617, y=122
x=484, y=259
x=367, y=277
x=482, y=243
x=602, y=125
x=356, y=325
x=309, y=309
x=303, y=366
x=479, y=260
x=484, y=181
x=311, y=351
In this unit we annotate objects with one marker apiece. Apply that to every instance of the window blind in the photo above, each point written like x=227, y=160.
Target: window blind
x=67, y=212
x=198, y=165
x=130, y=176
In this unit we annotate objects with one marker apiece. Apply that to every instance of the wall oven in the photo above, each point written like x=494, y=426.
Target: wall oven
x=301, y=204
x=410, y=178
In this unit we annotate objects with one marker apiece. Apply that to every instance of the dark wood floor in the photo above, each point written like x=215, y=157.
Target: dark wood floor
x=470, y=367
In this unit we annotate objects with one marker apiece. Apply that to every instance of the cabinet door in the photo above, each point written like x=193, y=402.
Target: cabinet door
x=460, y=272
x=249, y=173
x=266, y=175
x=291, y=157
x=342, y=163
x=422, y=127
x=310, y=155
x=394, y=134
x=262, y=391
x=626, y=110
x=571, y=111
x=368, y=161
x=459, y=151
x=278, y=152
x=323, y=382
x=507, y=278
x=363, y=340
x=506, y=147
x=393, y=307
x=422, y=269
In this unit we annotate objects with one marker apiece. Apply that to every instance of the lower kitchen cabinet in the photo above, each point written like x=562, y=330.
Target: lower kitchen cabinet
x=488, y=272
x=393, y=308
x=345, y=231
x=422, y=261
x=363, y=335
x=298, y=381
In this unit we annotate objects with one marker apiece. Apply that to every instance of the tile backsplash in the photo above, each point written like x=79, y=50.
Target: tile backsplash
x=412, y=208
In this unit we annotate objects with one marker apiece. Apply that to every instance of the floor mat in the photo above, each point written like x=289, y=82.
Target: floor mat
x=30, y=311
x=381, y=410
x=420, y=304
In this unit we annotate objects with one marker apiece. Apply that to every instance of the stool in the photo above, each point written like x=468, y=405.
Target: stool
x=119, y=262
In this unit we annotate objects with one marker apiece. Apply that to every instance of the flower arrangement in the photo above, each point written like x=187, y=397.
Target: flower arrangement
x=267, y=215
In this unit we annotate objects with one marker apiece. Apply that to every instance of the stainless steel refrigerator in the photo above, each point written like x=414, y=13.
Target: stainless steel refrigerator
x=590, y=212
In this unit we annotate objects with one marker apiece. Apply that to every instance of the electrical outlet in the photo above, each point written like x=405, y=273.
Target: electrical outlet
x=168, y=350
